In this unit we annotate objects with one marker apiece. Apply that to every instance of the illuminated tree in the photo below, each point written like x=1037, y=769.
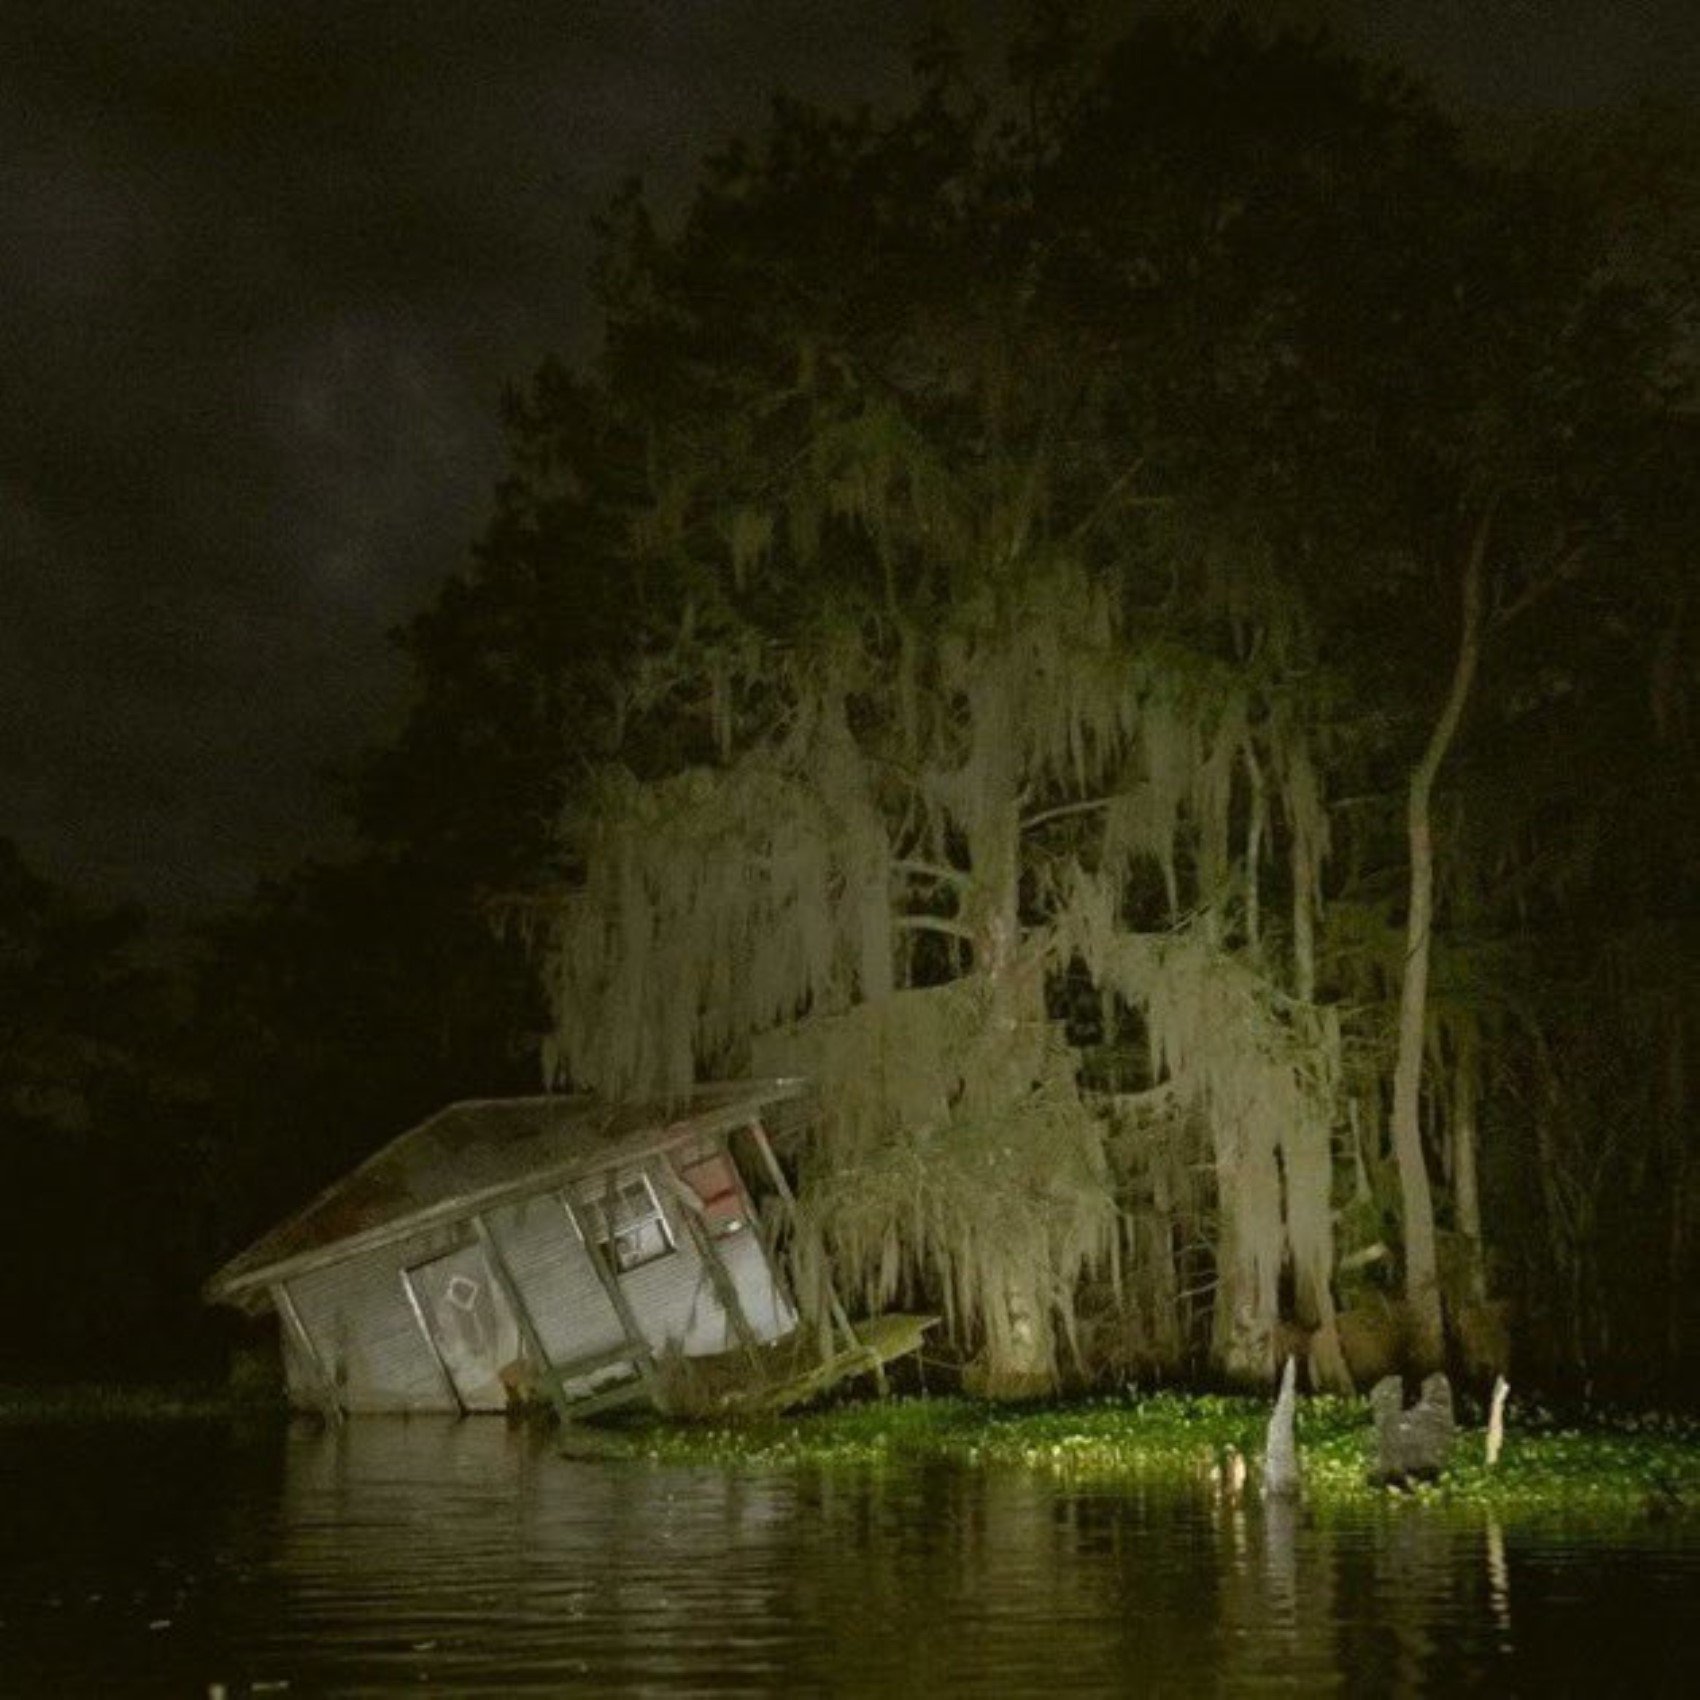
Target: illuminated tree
x=998, y=542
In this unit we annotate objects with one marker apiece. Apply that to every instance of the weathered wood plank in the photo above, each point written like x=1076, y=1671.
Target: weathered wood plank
x=884, y=1338
x=776, y=1174
x=626, y=1393
x=418, y=1311
x=575, y=1369
x=642, y=1355
x=719, y=1276
x=330, y=1403
x=528, y=1328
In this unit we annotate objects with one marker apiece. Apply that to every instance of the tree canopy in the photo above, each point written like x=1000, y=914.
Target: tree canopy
x=981, y=634
x=970, y=637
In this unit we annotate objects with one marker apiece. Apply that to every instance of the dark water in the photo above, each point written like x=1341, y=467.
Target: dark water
x=467, y=1559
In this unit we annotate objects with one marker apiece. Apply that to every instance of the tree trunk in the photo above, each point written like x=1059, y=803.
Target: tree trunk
x=1309, y=1172
x=877, y=978
x=1249, y=1243
x=1019, y=1357
x=1677, y=1285
x=1466, y=1194
x=1422, y=1275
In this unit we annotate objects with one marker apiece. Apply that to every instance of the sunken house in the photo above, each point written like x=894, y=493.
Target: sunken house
x=513, y=1250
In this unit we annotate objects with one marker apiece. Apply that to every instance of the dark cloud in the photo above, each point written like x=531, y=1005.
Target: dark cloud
x=265, y=270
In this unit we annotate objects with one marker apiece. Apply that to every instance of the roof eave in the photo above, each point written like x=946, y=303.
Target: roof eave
x=243, y=1288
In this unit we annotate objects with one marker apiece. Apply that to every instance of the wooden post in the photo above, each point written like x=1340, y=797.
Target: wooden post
x=769, y=1242
x=504, y=1275
x=719, y=1276
x=834, y=1306
x=330, y=1405
x=436, y=1350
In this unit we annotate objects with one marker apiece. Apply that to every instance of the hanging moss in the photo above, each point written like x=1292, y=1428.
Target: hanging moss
x=935, y=791
x=957, y=1160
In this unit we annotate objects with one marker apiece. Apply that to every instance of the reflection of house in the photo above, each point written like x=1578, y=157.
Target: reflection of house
x=536, y=1245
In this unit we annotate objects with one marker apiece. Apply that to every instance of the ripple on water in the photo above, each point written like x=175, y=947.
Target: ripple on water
x=468, y=1558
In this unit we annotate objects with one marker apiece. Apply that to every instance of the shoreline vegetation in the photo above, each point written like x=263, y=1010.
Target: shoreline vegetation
x=1639, y=1465
x=131, y=1402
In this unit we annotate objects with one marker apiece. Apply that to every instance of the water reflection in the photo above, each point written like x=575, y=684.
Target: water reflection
x=467, y=1557
x=1499, y=1582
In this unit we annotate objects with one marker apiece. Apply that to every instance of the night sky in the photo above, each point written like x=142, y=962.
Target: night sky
x=264, y=271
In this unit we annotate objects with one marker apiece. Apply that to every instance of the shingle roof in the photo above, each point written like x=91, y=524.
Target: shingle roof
x=475, y=1154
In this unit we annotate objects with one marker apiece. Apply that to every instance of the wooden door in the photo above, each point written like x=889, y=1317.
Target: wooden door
x=471, y=1326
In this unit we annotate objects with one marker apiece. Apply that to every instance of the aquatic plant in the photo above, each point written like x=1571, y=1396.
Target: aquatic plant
x=1629, y=1467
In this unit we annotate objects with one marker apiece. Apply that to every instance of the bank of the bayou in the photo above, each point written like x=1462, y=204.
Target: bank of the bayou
x=1639, y=1465
x=1636, y=1465
x=24, y=1403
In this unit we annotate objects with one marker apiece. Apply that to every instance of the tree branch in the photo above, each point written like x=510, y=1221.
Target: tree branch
x=1464, y=668
x=1151, y=1098
x=1538, y=589
x=1045, y=816
x=1422, y=1275
x=934, y=924
x=931, y=871
x=1104, y=503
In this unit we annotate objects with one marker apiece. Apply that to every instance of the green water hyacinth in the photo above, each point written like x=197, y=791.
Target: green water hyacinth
x=1636, y=1467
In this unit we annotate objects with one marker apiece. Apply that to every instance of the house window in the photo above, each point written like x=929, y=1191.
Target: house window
x=714, y=1182
x=626, y=1220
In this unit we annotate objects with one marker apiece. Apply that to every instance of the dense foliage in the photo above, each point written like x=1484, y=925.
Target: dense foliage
x=1617, y=1470
x=1137, y=628
x=1066, y=604
x=105, y=1134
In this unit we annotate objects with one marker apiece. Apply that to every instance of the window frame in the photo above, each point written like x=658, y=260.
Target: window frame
x=586, y=1204
x=682, y=1162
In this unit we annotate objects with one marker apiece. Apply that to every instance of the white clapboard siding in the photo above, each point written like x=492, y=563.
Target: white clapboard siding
x=366, y=1333
x=550, y=1266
